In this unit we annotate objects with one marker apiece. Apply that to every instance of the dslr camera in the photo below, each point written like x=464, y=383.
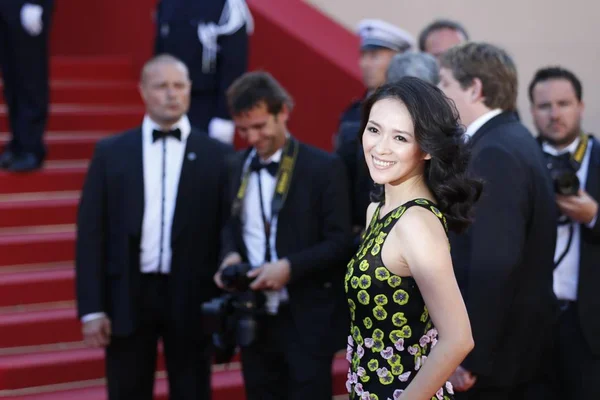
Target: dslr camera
x=232, y=317
x=563, y=170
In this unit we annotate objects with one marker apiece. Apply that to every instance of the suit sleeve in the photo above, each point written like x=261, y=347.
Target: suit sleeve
x=347, y=151
x=91, y=238
x=225, y=185
x=335, y=247
x=232, y=63
x=594, y=229
x=497, y=239
x=228, y=243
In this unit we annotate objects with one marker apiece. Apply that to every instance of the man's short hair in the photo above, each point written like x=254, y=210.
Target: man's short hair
x=254, y=88
x=162, y=59
x=491, y=65
x=420, y=65
x=437, y=25
x=546, y=74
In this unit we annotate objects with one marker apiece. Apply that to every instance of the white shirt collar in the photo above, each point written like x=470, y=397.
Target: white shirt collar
x=276, y=157
x=480, y=121
x=548, y=148
x=148, y=125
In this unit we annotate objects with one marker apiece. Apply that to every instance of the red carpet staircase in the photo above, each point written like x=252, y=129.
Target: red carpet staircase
x=41, y=353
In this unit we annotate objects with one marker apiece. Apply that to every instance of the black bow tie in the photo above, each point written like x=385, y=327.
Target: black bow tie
x=156, y=134
x=563, y=159
x=257, y=165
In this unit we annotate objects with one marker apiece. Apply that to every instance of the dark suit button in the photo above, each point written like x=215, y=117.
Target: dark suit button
x=327, y=285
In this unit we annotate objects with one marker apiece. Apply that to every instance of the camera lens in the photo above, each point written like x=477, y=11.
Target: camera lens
x=566, y=183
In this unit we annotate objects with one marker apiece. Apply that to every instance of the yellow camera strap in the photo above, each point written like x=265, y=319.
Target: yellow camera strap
x=581, y=150
x=283, y=179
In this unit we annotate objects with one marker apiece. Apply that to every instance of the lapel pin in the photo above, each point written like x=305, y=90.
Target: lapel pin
x=164, y=30
x=191, y=156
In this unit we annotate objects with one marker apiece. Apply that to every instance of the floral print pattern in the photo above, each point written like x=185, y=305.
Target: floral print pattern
x=391, y=333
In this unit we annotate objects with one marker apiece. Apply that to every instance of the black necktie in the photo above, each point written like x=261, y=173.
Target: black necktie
x=257, y=165
x=156, y=134
x=563, y=160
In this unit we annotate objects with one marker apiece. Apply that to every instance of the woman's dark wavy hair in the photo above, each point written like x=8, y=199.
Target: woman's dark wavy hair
x=438, y=133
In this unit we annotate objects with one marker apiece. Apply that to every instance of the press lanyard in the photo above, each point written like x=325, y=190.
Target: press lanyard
x=282, y=186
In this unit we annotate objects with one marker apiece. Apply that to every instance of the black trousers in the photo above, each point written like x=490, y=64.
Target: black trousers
x=24, y=62
x=278, y=366
x=131, y=360
x=577, y=368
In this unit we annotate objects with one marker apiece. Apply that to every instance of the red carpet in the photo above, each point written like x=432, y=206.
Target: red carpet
x=41, y=354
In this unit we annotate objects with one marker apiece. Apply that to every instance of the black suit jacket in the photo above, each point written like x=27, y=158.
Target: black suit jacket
x=504, y=262
x=313, y=233
x=109, y=225
x=588, y=299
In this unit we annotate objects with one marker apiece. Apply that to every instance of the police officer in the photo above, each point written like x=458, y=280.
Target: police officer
x=380, y=41
x=211, y=37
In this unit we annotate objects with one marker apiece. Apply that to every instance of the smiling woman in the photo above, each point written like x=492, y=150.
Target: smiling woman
x=410, y=134
x=409, y=325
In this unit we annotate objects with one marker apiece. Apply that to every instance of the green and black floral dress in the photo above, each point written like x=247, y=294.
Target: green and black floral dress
x=391, y=332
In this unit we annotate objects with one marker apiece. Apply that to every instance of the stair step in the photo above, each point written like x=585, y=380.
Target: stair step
x=226, y=385
x=92, y=67
x=65, y=117
x=65, y=147
x=66, y=134
x=54, y=176
x=56, y=367
x=92, y=92
x=31, y=328
x=42, y=286
x=39, y=369
x=43, y=210
x=37, y=245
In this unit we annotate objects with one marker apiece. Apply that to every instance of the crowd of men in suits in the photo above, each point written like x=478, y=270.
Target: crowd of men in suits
x=167, y=207
x=530, y=259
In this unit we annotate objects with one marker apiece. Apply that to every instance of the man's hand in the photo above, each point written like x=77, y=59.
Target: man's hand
x=581, y=208
x=271, y=276
x=230, y=259
x=96, y=333
x=462, y=380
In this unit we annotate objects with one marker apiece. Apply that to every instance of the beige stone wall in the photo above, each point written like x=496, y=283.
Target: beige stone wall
x=535, y=32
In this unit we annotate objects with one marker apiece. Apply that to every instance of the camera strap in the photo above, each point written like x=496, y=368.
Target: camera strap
x=568, y=246
x=576, y=161
x=282, y=186
x=577, y=156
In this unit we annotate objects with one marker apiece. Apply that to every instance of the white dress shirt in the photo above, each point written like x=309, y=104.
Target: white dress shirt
x=152, y=160
x=566, y=274
x=480, y=121
x=152, y=155
x=253, y=230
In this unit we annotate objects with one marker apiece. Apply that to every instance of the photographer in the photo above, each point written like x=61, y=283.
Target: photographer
x=290, y=223
x=573, y=158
